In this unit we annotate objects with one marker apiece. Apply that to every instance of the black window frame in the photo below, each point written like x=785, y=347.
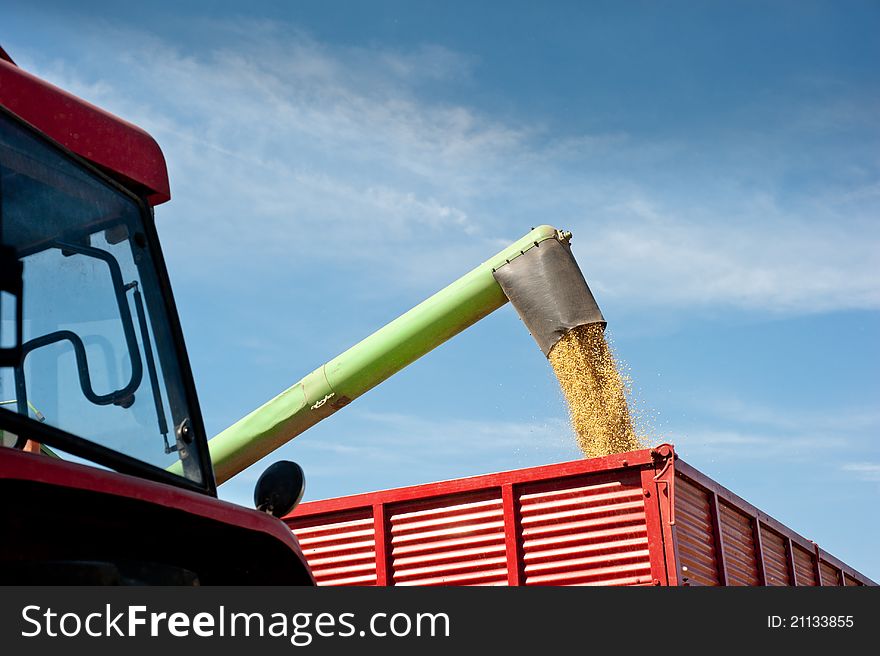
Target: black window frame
x=85, y=448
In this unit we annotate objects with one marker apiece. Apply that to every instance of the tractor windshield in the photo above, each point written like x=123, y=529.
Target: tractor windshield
x=99, y=358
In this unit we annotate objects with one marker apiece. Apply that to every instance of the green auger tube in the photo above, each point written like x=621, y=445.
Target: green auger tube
x=388, y=350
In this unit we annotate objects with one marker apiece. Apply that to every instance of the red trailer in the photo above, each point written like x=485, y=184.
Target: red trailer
x=638, y=518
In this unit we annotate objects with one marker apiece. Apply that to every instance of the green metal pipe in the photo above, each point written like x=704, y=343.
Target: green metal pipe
x=368, y=363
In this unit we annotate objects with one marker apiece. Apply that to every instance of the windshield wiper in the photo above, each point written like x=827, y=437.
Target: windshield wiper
x=151, y=366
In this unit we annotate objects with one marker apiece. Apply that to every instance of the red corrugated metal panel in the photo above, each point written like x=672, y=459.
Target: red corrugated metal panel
x=695, y=488
x=340, y=548
x=739, y=547
x=696, y=542
x=775, y=559
x=585, y=531
x=851, y=581
x=804, y=567
x=642, y=517
x=454, y=541
x=830, y=575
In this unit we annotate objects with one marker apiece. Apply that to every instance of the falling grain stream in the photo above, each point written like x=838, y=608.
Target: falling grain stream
x=595, y=392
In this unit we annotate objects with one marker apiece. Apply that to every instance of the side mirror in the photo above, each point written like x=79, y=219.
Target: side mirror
x=280, y=488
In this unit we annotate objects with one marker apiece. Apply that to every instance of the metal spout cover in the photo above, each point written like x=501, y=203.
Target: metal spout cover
x=549, y=292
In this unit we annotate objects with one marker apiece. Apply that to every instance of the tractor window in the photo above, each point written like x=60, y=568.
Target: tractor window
x=99, y=358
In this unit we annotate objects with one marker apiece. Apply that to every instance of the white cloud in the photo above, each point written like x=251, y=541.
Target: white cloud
x=299, y=153
x=449, y=437
x=865, y=471
x=842, y=420
x=740, y=428
x=758, y=256
x=390, y=449
x=713, y=442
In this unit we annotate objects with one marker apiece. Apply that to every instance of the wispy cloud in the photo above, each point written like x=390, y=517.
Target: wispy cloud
x=745, y=429
x=854, y=420
x=748, y=253
x=865, y=471
x=280, y=143
x=395, y=449
x=749, y=445
x=448, y=437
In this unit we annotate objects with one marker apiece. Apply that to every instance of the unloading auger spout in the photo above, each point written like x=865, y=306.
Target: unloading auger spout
x=537, y=273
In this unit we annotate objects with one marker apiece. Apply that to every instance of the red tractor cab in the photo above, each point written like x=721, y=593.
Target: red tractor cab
x=104, y=465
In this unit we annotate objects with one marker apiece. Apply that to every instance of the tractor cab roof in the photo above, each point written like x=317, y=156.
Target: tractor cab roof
x=122, y=150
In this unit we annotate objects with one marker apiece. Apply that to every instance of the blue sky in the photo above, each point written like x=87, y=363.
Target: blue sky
x=332, y=164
